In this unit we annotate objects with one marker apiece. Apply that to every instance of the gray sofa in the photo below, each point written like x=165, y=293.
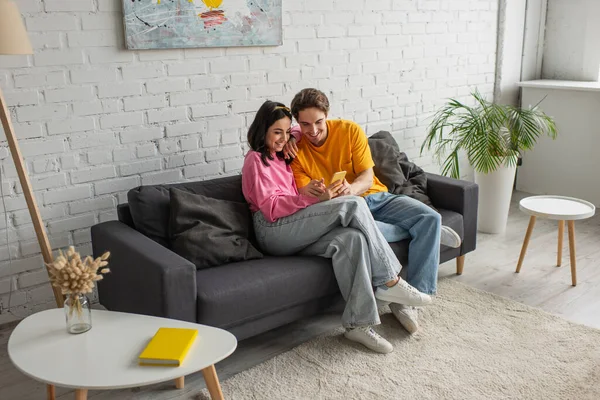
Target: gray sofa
x=249, y=297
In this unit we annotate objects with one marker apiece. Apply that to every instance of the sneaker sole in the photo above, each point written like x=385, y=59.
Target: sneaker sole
x=457, y=240
x=382, y=295
x=407, y=323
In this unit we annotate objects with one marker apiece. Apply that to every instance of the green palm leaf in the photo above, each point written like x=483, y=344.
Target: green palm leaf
x=490, y=134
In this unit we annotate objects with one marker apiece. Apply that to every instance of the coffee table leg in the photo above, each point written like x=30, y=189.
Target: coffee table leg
x=571, y=225
x=50, y=392
x=561, y=234
x=526, y=242
x=180, y=382
x=212, y=383
x=81, y=394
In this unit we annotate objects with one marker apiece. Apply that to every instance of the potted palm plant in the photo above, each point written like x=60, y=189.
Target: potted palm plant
x=492, y=136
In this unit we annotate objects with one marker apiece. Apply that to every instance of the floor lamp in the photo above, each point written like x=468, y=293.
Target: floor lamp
x=14, y=40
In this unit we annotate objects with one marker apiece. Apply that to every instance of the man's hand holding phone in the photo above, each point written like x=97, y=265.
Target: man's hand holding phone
x=339, y=177
x=346, y=189
x=339, y=186
x=332, y=191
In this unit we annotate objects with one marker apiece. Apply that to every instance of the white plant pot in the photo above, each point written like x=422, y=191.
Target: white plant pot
x=495, y=191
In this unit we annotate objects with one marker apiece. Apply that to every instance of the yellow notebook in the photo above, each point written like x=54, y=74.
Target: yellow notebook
x=168, y=347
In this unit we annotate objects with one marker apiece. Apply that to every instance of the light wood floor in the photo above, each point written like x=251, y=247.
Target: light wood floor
x=540, y=283
x=491, y=267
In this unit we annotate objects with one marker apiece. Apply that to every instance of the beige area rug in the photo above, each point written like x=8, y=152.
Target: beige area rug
x=471, y=345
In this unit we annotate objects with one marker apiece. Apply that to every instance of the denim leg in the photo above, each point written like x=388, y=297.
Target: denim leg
x=352, y=268
x=392, y=233
x=290, y=235
x=423, y=225
x=342, y=229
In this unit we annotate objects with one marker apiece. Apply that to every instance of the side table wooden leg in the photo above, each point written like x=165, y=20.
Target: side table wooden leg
x=561, y=234
x=571, y=225
x=460, y=264
x=526, y=242
x=180, y=382
x=50, y=392
x=212, y=383
x=81, y=394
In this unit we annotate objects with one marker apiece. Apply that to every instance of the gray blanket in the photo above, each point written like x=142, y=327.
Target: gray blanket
x=395, y=171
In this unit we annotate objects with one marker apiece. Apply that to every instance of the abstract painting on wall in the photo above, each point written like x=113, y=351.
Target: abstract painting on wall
x=171, y=24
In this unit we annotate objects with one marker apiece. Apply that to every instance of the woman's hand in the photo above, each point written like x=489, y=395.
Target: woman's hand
x=332, y=191
x=290, y=150
x=315, y=188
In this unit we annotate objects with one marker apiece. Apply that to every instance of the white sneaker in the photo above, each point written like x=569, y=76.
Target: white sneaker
x=402, y=293
x=449, y=237
x=407, y=316
x=366, y=336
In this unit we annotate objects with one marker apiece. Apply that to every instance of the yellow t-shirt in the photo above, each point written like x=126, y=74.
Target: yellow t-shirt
x=345, y=149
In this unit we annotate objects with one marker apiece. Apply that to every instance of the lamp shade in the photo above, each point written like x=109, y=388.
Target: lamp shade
x=13, y=35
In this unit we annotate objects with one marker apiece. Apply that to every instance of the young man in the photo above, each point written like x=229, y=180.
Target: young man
x=329, y=146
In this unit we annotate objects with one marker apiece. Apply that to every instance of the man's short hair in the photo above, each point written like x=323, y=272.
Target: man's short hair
x=309, y=98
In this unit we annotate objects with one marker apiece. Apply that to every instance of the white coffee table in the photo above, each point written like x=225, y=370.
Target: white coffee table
x=558, y=208
x=106, y=357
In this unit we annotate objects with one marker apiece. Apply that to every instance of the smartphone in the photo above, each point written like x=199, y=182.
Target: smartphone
x=338, y=176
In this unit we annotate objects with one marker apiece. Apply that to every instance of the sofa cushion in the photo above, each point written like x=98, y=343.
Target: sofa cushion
x=237, y=293
x=149, y=205
x=209, y=232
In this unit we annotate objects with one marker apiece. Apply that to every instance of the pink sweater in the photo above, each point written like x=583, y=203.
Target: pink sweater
x=271, y=190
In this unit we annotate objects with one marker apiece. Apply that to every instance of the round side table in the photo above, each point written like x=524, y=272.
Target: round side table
x=558, y=208
x=106, y=357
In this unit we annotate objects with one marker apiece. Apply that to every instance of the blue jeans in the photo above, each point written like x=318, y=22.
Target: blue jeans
x=411, y=219
x=343, y=230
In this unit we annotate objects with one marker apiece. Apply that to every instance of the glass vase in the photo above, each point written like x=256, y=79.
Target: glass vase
x=78, y=313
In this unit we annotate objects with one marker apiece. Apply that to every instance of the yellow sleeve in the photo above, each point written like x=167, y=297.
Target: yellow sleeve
x=361, y=152
x=301, y=178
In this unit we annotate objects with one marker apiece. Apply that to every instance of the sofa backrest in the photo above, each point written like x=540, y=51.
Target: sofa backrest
x=149, y=206
x=124, y=214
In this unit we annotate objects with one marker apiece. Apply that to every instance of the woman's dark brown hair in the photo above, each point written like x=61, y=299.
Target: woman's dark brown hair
x=269, y=113
x=309, y=98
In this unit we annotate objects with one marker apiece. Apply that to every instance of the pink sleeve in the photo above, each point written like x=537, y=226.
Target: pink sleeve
x=296, y=132
x=269, y=199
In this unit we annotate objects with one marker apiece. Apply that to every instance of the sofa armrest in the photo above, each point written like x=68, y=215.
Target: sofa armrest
x=145, y=278
x=458, y=196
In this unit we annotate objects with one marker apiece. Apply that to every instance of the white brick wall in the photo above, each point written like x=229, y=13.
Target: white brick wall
x=95, y=120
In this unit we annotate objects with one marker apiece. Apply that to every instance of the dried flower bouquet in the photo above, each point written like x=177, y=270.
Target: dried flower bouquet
x=75, y=276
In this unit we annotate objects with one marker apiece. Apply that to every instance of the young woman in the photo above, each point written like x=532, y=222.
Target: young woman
x=340, y=228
